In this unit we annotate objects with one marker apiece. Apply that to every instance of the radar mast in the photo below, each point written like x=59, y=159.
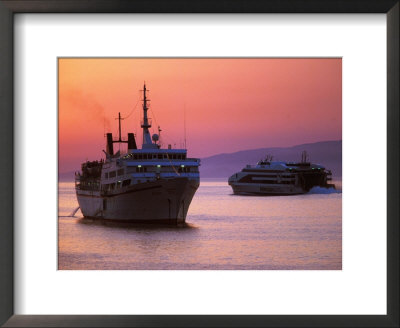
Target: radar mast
x=147, y=143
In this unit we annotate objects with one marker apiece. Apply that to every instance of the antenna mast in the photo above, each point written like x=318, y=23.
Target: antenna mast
x=304, y=157
x=184, y=123
x=147, y=143
x=119, y=126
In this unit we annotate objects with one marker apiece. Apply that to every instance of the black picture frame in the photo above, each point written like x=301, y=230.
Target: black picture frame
x=10, y=7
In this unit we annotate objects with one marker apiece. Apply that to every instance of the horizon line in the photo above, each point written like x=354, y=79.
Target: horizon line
x=308, y=143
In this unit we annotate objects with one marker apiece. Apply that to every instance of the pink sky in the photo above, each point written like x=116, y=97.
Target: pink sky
x=231, y=104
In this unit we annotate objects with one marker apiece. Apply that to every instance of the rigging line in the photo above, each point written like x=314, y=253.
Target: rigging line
x=173, y=165
x=184, y=123
x=152, y=113
x=134, y=107
x=132, y=110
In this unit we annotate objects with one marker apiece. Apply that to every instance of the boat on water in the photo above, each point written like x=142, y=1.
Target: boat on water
x=280, y=178
x=147, y=185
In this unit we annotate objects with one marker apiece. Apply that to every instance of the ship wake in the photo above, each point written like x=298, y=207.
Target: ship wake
x=322, y=190
x=72, y=215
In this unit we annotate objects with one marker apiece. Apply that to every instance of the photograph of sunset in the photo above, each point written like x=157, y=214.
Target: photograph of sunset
x=200, y=163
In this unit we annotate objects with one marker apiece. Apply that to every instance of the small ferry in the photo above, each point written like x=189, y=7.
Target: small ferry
x=280, y=178
x=147, y=185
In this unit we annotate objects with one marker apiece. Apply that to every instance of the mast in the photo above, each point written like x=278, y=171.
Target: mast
x=110, y=142
x=184, y=124
x=147, y=143
x=119, y=126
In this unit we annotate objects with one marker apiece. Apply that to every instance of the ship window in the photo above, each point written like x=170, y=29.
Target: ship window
x=154, y=155
x=126, y=183
x=165, y=156
x=160, y=156
x=120, y=171
x=174, y=156
x=106, y=175
x=141, y=169
x=112, y=186
x=112, y=174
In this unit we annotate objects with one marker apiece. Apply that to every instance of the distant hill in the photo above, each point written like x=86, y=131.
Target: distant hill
x=66, y=176
x=327, y=153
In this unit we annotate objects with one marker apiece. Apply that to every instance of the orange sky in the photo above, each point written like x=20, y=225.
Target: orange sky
x=231, y=104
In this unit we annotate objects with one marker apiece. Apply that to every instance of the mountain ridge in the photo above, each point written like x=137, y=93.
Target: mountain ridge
x=327, y=153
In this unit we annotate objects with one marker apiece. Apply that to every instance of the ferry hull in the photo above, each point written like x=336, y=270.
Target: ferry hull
x=264, y=189
x=160, y=201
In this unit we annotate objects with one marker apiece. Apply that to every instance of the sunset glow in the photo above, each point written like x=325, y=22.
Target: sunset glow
x=229, y=104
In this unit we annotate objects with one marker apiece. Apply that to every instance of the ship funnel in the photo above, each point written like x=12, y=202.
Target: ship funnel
x=110, y=147
x=131, y=141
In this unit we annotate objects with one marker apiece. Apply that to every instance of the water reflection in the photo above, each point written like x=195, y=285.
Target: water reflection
x=222, y=232
x=137, y=226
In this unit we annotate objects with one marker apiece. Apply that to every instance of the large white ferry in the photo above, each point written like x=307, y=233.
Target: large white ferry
x=145, y=185
x=280, y=178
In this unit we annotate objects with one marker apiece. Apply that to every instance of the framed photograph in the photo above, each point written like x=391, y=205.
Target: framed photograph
x=205, y=164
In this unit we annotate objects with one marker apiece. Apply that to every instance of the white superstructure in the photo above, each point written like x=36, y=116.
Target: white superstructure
x=280, y=178
x=151, y=184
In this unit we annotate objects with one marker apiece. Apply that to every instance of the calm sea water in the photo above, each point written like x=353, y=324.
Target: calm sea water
x=223, y=231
